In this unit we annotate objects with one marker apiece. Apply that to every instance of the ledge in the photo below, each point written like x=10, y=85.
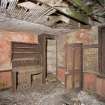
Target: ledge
x=5, y=70
x=101, y=76
x=92, y=72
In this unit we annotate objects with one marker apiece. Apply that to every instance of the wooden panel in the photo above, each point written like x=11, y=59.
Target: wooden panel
x=5, y=80
x=78, y=67
x=23, y=80
x=102, y=50
x=90, y=58
x=26, y=60
x=74, y=66
x=69, y=58
x=33, y=69
x=51, y=56
x=36, y=79
x=24, y=54
x=68, y=80
x=43, y=42
x=21, y=44
x=26, y=49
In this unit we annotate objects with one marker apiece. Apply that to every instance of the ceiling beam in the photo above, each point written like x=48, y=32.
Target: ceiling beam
x=87, y=10
x=62, y=13
x=101, y=4
x=73, y=17
x=20, y=1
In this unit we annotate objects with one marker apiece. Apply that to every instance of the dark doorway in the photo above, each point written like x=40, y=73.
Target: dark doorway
x=73, y=78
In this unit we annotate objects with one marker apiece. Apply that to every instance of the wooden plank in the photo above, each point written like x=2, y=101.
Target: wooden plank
x=68, y=81
x=14, y=81
x=23, y=44
x=74, y=65
x=24, y=63
x=102, y=49
x=43, y=42
x=25, y=55
x=26, y=49
x=91, y=46
x=24, y=80
x=36, y=79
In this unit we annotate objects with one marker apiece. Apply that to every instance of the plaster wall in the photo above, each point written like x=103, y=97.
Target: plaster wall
x=6, y=38
x=85, y=36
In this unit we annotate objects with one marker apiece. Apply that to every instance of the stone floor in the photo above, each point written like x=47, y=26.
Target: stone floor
x=49, y=94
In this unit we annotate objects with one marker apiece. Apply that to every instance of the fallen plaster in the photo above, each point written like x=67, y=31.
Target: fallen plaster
x=49, y=94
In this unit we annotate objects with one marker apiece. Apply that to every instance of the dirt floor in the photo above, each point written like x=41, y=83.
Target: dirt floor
x=49, y=94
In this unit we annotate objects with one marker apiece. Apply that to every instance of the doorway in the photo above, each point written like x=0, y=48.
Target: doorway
x=51, y=59
x=74, y=66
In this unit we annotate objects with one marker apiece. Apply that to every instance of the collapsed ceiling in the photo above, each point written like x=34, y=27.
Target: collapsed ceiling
x=11, y=24
x=51, y=13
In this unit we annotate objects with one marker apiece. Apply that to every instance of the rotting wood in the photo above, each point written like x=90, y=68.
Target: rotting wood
x=26, y=61
x=74, y=66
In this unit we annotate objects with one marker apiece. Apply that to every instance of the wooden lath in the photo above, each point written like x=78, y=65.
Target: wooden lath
x=13, y=10
x=36, y=15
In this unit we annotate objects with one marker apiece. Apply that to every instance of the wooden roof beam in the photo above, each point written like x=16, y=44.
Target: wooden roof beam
x=62, y=13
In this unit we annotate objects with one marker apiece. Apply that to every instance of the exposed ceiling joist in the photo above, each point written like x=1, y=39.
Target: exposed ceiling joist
x=40, y=11
x=62, y=13
x=26, y=11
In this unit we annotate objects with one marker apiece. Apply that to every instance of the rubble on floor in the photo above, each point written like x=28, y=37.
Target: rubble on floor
x=49, y=94
x=87, y=99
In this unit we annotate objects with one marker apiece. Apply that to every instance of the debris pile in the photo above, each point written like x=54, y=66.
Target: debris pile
x=49, y=94
x=87, y=99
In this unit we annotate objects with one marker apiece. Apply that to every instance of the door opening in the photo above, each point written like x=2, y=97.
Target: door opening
x=74, y=66
x=51, y=59
x=49, y=56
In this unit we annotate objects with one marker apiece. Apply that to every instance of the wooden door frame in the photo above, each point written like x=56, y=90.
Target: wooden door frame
x=81, y=74
x=101, y=71
x=43, y=41
x=100, y=52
